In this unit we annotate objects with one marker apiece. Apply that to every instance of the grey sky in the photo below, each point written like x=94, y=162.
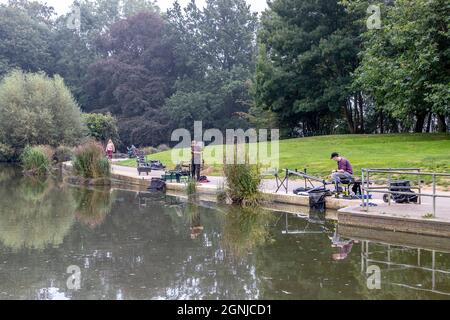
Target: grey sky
x=62, y=6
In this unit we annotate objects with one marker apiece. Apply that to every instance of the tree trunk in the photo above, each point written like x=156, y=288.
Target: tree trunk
x=349, y=116
x=420, y=122
x=430, y=117
x=381, y=122
x=361, y=108
x=442, y=125
x=395, y=126
x=356, y=119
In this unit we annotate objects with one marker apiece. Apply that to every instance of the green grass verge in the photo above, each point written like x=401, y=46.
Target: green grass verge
x=430, y=152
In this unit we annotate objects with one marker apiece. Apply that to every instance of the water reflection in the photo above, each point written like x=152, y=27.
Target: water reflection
x=246, y=229
x=35, y=189
x=93, y=206
x=35, y=214
x=408, y=272
x=132, y=245
x=343, y=246
x=7, y=173
x=193, y=216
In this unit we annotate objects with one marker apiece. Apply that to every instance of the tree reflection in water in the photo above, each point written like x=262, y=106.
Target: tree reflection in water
x=167, y=248
x=7, y=173
x=35, y=213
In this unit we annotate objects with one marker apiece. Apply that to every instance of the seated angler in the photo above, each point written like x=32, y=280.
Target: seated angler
x=344, y=172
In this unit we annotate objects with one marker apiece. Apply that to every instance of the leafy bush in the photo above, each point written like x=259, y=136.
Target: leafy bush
x=48, y=151
x=63, y=154
x=243, y=181
x=101, y=127
x=37, y=110
x=36, y=160
x=90, y=161
x=6, y=153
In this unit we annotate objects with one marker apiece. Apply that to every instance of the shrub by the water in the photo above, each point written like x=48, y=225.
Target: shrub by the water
x=48, y=151
x=243, y=181
x=37, y=110
x=90, y=161
x=63, y=154
x=36, y=160
x=7, y=153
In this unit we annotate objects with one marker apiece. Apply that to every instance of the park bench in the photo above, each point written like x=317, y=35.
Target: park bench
x=147, y=167
x=142, y=165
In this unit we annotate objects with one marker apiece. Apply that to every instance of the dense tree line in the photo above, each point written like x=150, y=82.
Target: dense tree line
x=307, y=66
x=308, y=50
x=405, y=66
x=217, y=47
x=322, y=70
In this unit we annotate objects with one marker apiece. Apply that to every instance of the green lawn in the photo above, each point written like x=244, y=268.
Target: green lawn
x=430, y=152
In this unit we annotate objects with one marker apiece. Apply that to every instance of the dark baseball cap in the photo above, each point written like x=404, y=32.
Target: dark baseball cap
x=334, y=155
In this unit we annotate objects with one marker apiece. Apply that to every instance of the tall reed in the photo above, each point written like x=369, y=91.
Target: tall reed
x=243, y=182
x=36, y=160
x=90, y=161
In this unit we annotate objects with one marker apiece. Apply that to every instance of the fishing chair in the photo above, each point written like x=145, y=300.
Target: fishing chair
x=346, y=185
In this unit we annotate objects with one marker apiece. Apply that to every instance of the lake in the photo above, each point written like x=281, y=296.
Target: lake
x=136, y=245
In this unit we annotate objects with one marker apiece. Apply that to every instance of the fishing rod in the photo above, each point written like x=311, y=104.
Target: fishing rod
x=284, y=183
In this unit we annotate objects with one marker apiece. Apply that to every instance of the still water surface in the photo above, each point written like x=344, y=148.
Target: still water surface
x=131, y=245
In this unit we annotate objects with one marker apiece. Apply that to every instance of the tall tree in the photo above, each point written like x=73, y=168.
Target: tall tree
x=134, y=78
x=308, y=50
x=406, y=63
x=215, y=50
x=25, y=39
x=36, y=109
x=74, y=50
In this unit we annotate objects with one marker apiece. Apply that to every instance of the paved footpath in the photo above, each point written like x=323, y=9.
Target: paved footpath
x=269, y=185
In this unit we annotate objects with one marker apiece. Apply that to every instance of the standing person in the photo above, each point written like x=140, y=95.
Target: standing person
x=197, y=155
x=344, y=172
x=110, y=149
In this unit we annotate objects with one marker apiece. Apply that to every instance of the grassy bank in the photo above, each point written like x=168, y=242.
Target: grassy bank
x=430, y=152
